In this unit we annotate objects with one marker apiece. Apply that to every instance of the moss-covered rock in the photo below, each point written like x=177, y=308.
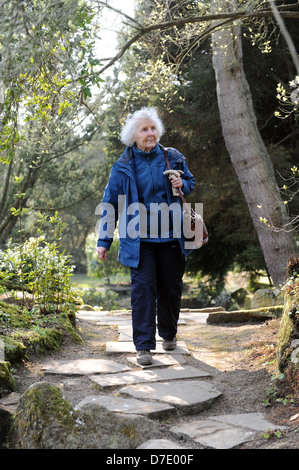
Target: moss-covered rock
x=45, y=420
x=14, y=351
x=12, y=317
x=44, y=340
x=284, y=341
x=42, y=411
x=266, y=298
x=24, y=331
x=240, y=316
x=7, y=383
x=6, y=426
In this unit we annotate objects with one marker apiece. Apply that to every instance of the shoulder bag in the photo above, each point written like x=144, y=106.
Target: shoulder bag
x=193, y=222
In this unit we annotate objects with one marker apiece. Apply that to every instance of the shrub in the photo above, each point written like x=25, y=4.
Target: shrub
x=106, y=300
x=38, y=267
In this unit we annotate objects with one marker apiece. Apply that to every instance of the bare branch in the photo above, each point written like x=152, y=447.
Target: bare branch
x=285, y=33
x=229, y=16
x=116, y=10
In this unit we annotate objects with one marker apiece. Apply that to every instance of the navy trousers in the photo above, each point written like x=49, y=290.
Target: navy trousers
x=156, y=293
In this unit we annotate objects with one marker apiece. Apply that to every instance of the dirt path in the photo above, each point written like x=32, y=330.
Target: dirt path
x=241, y=359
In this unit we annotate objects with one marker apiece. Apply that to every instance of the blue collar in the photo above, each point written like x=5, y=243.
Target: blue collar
x=141, y=153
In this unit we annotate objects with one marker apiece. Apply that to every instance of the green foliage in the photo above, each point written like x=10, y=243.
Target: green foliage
x=291, y=288
x=210, y=293
x=109, y=267
x=38, y=267
x=48, y=70
x=106, y=299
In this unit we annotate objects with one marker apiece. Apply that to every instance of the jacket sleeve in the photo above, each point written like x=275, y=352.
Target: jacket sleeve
x=188, y=180
x=178, y=162
x=109, y=210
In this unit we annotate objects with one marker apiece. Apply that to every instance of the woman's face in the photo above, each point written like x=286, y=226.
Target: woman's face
x=146, y=136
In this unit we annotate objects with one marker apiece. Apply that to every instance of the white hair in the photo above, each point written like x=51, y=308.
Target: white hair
x=129, y=130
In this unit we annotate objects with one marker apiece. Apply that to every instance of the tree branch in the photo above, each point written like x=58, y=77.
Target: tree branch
x=285, y=33
x=110, y=7
x=229, y=16
x=6, y=185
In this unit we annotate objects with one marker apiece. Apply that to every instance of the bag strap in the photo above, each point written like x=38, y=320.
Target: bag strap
x=190, y=211
x=169, y=167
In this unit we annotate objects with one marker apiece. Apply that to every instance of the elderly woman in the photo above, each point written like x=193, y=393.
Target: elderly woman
x=139, y=195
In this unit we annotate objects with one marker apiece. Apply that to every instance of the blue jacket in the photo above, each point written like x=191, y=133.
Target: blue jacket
x=122, y=190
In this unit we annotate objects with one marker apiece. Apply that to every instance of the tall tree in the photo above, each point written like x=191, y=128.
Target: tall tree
x=247, y=150
x=184, y=25
x=46, y=56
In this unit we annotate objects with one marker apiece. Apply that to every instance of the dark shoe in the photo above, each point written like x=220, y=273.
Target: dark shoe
x=169, y=345
x=144, y=358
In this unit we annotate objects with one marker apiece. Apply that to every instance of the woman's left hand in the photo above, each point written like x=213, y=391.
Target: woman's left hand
x=177, y=183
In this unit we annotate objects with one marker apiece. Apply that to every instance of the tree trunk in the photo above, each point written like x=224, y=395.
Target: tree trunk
x=248, y=153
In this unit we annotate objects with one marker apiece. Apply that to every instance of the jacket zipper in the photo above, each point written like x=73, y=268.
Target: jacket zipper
x=152, y=178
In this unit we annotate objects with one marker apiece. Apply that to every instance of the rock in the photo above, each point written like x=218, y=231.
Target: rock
x=86, y=367
x=7, y=383
x=160, y=444
x=239, y=316
x=87, y=308
x=10, y=402
x=15, y=351
x=147, y=376
x=105, y=429
x=188, y=396
x=225, y=431
x=247, y=302
x=45, y=420
x=6, y=422
x=112, y=347
x=239, y=295
x=266, y=298
x=130, y=406
x=286, y=345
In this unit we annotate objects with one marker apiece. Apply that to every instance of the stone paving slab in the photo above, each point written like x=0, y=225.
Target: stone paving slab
x=111, y=321
x=254, y=421
x=199, y=317
x=101, y=313
x=105, y=317
x=126, y=333
x=86, y=367
x=162, y=360
x=92, y=313
x=161, y=444
x=114, y=347
x=146, y=376
x=214, y=435
x=130, y=406
x=103, y=320
x=186, y=395
x=224, y=431
x=202, y=310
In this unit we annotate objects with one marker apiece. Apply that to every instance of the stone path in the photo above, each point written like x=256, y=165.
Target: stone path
x=167, y=388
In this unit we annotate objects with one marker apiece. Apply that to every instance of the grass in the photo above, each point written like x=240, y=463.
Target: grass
x=83, y=281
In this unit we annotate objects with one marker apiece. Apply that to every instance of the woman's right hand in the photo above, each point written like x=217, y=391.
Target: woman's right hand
x=102, y=252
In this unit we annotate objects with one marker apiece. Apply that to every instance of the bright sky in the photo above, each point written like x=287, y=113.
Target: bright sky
x=111, y=25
